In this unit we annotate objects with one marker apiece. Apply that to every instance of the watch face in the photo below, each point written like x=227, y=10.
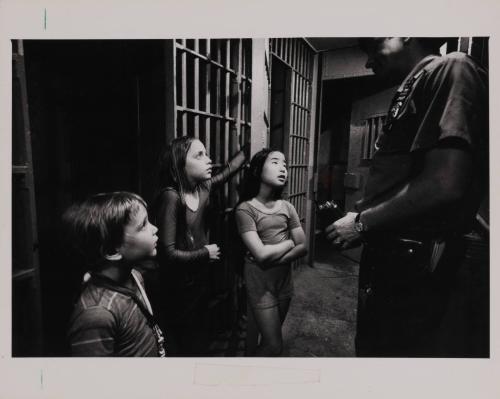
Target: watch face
x=359, y=227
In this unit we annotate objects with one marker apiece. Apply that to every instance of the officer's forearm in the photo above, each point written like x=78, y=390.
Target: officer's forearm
x=443, y=181
x=411, y=201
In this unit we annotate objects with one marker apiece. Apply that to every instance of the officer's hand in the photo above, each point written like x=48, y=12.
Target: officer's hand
x=342, y=233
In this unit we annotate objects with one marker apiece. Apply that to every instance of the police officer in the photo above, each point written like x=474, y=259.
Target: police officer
x=426, y=180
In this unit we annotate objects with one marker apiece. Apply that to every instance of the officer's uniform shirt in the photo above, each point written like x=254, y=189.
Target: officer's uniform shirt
x=442, y=97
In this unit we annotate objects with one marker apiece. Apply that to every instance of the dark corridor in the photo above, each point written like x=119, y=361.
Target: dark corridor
x=90, y=105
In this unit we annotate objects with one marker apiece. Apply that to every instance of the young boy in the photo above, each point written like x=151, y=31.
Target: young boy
x=113, y=316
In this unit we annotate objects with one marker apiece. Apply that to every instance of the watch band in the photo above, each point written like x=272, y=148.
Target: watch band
x=359, y=226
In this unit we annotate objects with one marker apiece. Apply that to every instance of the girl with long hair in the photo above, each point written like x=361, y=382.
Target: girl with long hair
x=270, y=229
x=184, y=250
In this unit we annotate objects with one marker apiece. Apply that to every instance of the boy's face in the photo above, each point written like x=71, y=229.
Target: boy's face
x=198, y=163
x=139, y=238
x=274, y=171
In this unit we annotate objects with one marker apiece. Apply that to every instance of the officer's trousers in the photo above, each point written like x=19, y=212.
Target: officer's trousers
x=401, y=302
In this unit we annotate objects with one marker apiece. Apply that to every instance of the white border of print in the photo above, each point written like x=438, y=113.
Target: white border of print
x=241, y=377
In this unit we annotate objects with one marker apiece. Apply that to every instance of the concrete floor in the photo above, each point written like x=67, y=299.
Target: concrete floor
x=322, y=318
x=321, y=321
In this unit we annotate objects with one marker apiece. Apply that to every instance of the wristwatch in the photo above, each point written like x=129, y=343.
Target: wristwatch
x=359, y=226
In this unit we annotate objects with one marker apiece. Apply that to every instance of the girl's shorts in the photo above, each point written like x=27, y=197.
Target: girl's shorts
x=266, y=288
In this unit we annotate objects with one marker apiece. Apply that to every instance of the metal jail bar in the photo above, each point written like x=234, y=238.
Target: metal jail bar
x=212, y=80
x=296, y=54
x=372, y=129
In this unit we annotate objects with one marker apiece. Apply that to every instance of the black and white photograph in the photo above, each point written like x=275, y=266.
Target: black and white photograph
x=238, y=203
x=297, y=197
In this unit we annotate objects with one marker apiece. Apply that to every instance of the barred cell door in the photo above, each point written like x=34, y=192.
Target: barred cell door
x=293, y=116
x=208, y=89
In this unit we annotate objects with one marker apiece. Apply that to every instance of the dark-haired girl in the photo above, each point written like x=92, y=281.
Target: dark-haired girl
x=184, y=250
x=270, y=228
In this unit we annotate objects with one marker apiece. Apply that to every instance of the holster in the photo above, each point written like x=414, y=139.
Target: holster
x=402, y=261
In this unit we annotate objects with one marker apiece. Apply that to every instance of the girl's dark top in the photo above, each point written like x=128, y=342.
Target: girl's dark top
x=182, y=237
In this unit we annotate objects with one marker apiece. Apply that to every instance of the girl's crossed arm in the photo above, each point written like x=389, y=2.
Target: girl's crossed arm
x=297, y=235
x=300, y=248
x=262, y=253
x=265, y=253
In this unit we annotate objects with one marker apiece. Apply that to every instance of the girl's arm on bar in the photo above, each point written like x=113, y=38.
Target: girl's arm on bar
x=235, y=164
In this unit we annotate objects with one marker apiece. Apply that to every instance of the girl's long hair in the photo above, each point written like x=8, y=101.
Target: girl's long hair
x=172, y=165
x=253, y=176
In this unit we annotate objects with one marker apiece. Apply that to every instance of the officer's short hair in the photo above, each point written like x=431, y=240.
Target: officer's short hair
x=431, y=44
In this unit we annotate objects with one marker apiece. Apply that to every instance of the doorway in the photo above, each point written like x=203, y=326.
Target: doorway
x=352, y=114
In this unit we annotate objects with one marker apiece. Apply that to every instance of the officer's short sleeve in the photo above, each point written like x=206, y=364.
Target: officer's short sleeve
x=456, y=99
